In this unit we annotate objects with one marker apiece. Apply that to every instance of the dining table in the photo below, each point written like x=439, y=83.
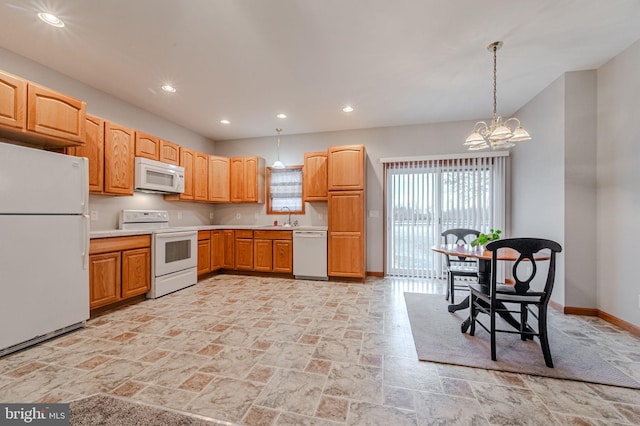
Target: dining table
x=483, y=256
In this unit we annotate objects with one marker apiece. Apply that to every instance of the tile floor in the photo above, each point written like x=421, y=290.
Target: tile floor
x=266, y=351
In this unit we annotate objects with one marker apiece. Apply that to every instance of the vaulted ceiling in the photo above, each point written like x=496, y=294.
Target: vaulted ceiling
x=395, y=62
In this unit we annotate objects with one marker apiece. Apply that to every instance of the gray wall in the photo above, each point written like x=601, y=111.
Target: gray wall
x=108, y=107
x=424, y=139
x=537, y=169
x=618, y=174
x=580, y=189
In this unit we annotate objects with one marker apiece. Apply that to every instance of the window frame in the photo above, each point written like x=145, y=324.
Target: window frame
x=268, y=190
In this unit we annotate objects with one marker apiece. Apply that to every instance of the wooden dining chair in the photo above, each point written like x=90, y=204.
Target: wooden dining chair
x=459, y=266
x=492, y=300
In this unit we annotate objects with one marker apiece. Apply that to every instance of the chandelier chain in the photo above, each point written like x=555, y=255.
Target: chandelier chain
x=495, y=79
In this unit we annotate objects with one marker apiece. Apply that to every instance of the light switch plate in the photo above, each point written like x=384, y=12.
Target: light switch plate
x=374, y=213
x=211, y=215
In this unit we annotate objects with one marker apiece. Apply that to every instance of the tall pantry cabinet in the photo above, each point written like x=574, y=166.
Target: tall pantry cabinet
x=346, y=209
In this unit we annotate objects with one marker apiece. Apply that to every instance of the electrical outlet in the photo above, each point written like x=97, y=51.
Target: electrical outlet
x=94, y=215
x=211, y=215
x=320, y=216
x=238, y=215
x=179, y=215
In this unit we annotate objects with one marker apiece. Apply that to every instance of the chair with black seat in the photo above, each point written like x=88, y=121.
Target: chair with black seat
x=491, y=300
x=459, y=266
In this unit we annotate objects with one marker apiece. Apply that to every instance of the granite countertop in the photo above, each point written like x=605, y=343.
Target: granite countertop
x=125, y=233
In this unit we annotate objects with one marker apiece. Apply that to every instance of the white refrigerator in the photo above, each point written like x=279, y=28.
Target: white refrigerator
x=44, y=245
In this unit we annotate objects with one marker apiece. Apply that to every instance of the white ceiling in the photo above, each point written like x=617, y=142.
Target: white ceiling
x=396, y=62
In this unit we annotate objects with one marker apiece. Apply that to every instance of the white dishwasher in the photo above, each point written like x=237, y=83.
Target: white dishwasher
x=310, y=255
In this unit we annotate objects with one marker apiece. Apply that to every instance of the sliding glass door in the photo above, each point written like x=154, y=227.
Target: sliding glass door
x=426, y=196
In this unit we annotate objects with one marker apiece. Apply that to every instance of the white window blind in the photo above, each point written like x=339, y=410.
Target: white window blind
x=285, y=189
x=427, y=196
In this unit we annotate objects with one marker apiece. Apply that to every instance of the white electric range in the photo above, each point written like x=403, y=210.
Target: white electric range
x=174, y=251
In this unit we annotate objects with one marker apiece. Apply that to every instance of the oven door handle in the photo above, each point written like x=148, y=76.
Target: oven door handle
x=167, y=235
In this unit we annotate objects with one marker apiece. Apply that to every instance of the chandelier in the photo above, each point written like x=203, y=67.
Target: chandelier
x=498, y=134
x=278, y=164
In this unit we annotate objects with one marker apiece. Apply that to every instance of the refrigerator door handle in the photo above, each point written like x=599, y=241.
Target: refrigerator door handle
x=85, y=242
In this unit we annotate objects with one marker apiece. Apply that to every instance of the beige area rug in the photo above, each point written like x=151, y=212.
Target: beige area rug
x=109, y=410
x=437, y=337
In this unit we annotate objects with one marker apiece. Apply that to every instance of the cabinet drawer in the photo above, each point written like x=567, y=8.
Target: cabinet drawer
x=244, y=233
x=272, y=235
x=105, y=245
x=204, y=235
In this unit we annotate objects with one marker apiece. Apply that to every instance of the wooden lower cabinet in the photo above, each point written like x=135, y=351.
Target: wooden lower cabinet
x=263, y=255
x=104, y=279
x=217, y=250
x=119, y=268
x=283, y=256
x=229, y=249
x=273, y=251
x=136, y=272
x=204, y=252
x=346, y=254
x=244, y=250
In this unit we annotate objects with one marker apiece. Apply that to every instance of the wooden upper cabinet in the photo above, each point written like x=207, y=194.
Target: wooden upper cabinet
x=147, y=146
x=346, y=168
x=118, y=159
x=251, y=177
x=247, y=179
x=188, y=161
x=54, y=114
x=93, y=150
x=314, y=176
x=201, y=177
x=169, y=152
x=237, y=180
x=219, y=186
x=13, y=101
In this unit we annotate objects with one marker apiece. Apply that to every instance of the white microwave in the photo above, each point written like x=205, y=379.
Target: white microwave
x=158, y=177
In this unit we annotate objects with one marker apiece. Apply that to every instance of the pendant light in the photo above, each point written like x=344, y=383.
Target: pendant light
x=498, y=134
x=278, y=164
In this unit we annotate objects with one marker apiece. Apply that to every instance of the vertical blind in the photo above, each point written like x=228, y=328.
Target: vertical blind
x=427, y=196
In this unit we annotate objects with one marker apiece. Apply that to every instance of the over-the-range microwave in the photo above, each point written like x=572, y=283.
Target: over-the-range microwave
x=158, y=177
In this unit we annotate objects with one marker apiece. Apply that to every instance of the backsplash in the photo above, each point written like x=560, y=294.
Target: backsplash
x=107, y=209
x=180, y=213
x=255, y=214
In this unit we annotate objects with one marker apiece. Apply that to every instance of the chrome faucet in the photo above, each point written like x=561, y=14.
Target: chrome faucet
x=288, y=221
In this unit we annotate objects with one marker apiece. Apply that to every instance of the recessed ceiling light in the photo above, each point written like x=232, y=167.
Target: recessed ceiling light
x=281, y=115
x=169, y=88
x=50, y=19
x=347, y=108
x=225, y=121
